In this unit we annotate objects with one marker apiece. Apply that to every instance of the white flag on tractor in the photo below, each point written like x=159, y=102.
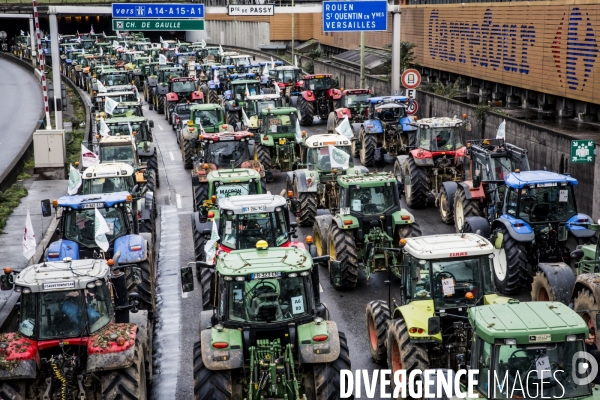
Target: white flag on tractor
x=101, y=50
x=216, y=78
x=209, y=247
x=295, y=60
x=272, y=63
x=277, y=88
x=101, y=87
x=100, y=230
x=203, y=43
x=104, y=129
x=266, y=70
x=344, y=128
x=298, y=131
x=338, y=158
x=220, y=50
x=74, y=180
x=29, y=243
x=162, y=60
x=88, y=158
x=115, y=44
x=109, y=105
x=245, y=119
x=501, y=132
x=92, y=30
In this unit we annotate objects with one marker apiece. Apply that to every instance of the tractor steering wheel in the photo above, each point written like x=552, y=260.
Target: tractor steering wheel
x=267, y=288
x=528, y=203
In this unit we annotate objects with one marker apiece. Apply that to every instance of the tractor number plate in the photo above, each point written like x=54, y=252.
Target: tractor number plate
x=265, y=275
x=93, y=205
x=254, y=209
x=539, y=338
x=550, y=184
x=59, y=285
x=345, y=210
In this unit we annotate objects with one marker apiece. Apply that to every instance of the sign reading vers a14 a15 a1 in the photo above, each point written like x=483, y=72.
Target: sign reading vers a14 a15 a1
x=349, y=16
x=582, y=151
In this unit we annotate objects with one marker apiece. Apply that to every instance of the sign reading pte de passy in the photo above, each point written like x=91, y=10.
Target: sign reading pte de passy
x=349, y=16
x=250, y=10
x=157, y=10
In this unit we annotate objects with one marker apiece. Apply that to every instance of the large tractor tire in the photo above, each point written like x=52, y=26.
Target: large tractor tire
x=146, y=288
x=308, y=209
x=585, y=302
x=199, y=243
x=151, y=180
x=187, y=153
x=213, y=97
x=327, y=375
x=13, y=389
x=402, y=353
x=342, y=248
x=541, y=289
x=416, y=190
x=200, y=193
x=321, y=234
x=331, y=122
x=232, y=118
x=378, y=319
x=206, y=286
x=137, y=82
x=307, y=112
x=152, y=164
x=210, y=384
x=510, y=264
x=464, y=208
x=408, y=231
x=126, y=383
x=446, y=211
x=160, y=105
x=367, y=148
x=263, y=155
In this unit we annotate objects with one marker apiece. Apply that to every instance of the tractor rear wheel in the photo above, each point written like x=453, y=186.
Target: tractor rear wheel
x=144, y=289
x=210, y=384
x=541, y=289
x=213, y=97
x=415, y=191
x=263, y=155
x=585, y=301
x=13, y=389
x=206, y=286
x=402, y=353
x=126, y=383
x=151, y=181
x=446, y=211
x=137, y=82
x=160, y=105
x=308, y=209
x=327, y=375
x=343, y=248
x=232, y=118
x=331, y=122
x=464, y=208
x=307, y=112
x=378, y=318
x=187, y=152
x=199, y=243
x=200, y=193
x=509, y=263
x=152, y=164
x=408, y=231
x=367, y=148
x=321, y=234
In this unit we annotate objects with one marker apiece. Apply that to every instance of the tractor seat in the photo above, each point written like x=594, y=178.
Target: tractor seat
x=540, y=211
x=265, y=307
x=387, y=116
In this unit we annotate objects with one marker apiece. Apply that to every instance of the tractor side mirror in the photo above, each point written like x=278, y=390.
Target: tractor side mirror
x=151, y=124
x=7, y=282
x=476, y=180
x=335, y=272
x=577, y=255
x=433, y=326
x=46, y=208
x=563, y=234
x=321, y=259
x=187, y=279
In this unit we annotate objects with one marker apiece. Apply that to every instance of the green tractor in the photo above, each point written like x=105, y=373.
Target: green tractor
x=442, y=278
x=313, y=185
x=277, y=146
x=267, y=336
x=367, y=221
x=256, y=104
x=234, y=99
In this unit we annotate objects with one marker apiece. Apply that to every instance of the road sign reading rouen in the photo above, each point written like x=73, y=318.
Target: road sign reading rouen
x=157, y=10
x=349, y=16
x=158, y=24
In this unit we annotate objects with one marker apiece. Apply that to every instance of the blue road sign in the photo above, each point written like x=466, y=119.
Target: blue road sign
x=348, y=16
x=157, y=10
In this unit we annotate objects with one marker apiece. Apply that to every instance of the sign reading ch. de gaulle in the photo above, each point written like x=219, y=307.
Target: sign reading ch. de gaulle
x=582, y=151
x=350, y=16
x=158, y=24
x=157, y=10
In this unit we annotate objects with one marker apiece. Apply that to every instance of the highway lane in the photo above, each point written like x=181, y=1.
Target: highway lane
x=21, y=104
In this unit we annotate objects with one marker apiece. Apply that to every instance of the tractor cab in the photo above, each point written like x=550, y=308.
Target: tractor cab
x=225, y=149
x=387, y=110
x=355, y=99
x=126, y=109
x=439, y=136
x=316, y=83
x=114, y=149
x=98, y=99
x=369, y=195
x=285, y=76
x=241, y=88
x=279, y=123
x=258, y=103
x=209, y=116
x=108, y=178
x=316, y=151
x=114, y=78
x=139, y=127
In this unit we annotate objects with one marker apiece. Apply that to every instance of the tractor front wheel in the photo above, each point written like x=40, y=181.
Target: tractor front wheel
x=13, y=389
x=210, y=384
x=321, y=234
x=206, y=286
x=144, y=289
x=541, y=289
x=200, y=194
x=152, y=164
x=416, y=189
x=342, y=248
x=263, y=156
x=378, y=318
x=464, y=208
x=160, y=105
x=367, y=148
x=331, y=122
x=307, y=112
x=126, y=383
x=327, y=375
x=402, y=353
x=187, y=152
x=585, y=302
x=213, y=97
x=510, y=261
x=199, y=243
x=446, y=211
x=232, y=118
x=137, y=82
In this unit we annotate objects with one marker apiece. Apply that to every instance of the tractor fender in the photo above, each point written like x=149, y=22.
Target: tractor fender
x=112, y=356
x=466, y=185
x=334, y=94
x=422, y=158
x=162, y=89
x=202, y=226
x=124, y=245
x=145, y=207
x=22, y=352
x=229, y=107
x=197, y=96
x=340, y=224
x=222, y=359
x=358, y=170
x=372, y=126
x=416, y=315
x=450, y=191
x=342, y=112
x=586, y=282
x=401, y=159
x=479, y=224
x=561, y=279
x=152, y=80
x=308, y=95
x=580, y=231
x=187, y=135
x=397, y=217
x=137, y=72
x=148, y=151
x=301, y=176
x=523, y=234
x=318, y=352
x=64, y=248
x=408, y=123
x=172, y=97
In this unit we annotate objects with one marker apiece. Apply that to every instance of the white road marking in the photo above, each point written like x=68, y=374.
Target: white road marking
x=172, y=156
x=161, y=128
x=178, y=197
x=320, y=288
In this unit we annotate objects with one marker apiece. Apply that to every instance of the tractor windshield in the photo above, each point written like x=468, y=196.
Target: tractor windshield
x=123, y=129
x=280, y=123
x=521, y=370
x=319, y=156
x=354, y=100
x=115, y=79
x=286, y=76
x=169, y=54
x=242, y=231
x=319, y=83
x=263, y=105
x=240, y=90
x=235, y=189
x=451, y=282
x=117, y=154
x=108, y=185
x=268, y=300
x=79, y=225
x=502, y=166
x=207, y=117
x=440, y=139
x=127, y=111
x=65, y=314
x=390, y=113
x=374, y=200
x=542, y=203
x=181, y=87
x=223, y=153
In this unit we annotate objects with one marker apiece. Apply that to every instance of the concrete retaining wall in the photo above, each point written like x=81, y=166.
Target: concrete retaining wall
x=242, y=34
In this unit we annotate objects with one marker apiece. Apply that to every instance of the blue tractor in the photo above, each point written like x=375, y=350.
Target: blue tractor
x=127, y=246
x=388, y=126
x=536, y=228
x=216, y=89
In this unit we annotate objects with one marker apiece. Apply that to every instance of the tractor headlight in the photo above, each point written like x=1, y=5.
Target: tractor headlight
x=26, y=290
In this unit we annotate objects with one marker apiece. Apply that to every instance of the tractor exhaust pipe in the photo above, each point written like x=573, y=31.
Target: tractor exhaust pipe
x=121, y=297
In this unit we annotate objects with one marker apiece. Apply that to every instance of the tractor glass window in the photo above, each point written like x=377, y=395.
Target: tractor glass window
x=169, y=54
x=206, y=117
x=375, y=200
x=242, y=231
x=27, y=315
x=458, y=282
x=483, y=362
x=99, y=307
x=440, y=139
x=420, y=281
x=527, y=366
x=268, y=300
x=319, y=156
x=319, y=83
x=117, y=154
x=115, y=79
x=511, y=201
x=502, y=166
x=108, y=185
x=354, y=100
x=79, y=225
x=281, y=123
x=547, y=203
x=223, y=153
x=235, y=189
x=181, y=87
x=62, y=314
x=389, y=114
x=288, y=76
x=126, y=111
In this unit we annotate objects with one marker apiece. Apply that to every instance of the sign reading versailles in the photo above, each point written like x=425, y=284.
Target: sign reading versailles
x=354, y=16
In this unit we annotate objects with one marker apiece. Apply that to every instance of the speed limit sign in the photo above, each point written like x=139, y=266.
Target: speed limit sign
x=412, y=108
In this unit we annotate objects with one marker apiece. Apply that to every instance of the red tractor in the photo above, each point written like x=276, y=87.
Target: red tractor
x=317, y=97
x=182, y=89
x=354, y=104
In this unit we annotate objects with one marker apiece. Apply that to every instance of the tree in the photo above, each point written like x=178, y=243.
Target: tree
x=407, y=57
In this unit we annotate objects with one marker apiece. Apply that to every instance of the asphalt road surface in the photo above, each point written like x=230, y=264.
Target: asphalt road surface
x=21, y=105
